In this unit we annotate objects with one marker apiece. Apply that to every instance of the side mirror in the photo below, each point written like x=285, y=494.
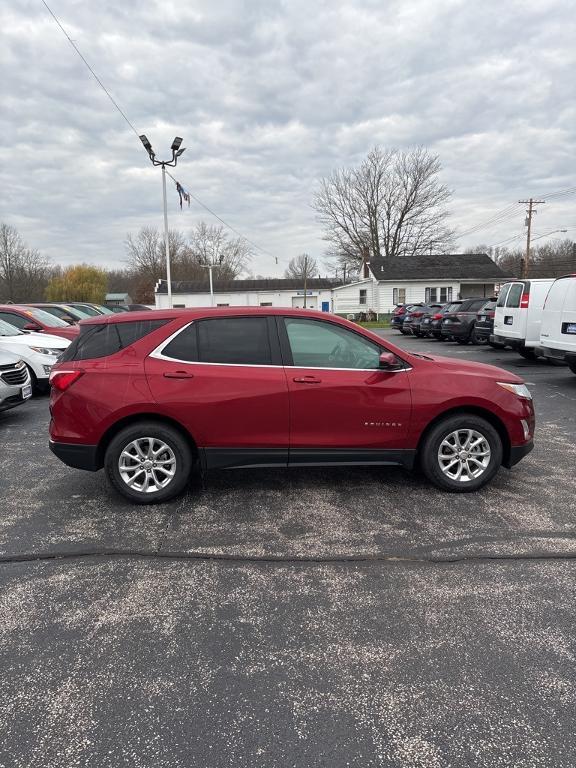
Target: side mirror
x=32, y=327
x=388, y=360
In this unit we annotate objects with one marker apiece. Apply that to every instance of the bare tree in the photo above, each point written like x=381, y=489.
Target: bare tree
x=211, y=245
x=302, y=267
x=341, y=265
x=24, y=272
x=392, y=205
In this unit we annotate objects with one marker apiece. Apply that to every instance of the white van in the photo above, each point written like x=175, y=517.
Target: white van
x=518, y=315
x=558, y=330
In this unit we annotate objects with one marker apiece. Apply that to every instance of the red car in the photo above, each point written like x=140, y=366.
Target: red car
x=33, y=319
x=146, y=397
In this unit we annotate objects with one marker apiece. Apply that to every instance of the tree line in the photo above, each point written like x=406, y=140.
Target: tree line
x=392, y=205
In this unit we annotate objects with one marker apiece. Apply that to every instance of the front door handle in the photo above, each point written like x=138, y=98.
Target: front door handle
x=178, y=375
x=307, y=380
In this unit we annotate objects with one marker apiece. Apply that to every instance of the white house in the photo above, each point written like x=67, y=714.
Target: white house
x=435, y=278
x=274, y=292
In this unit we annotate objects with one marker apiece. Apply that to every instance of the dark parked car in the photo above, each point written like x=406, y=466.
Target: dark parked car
x=484, y=325
x=432, y=327
x=149, y=395
x=400, y=314
x=458, y=325
x=413, y=322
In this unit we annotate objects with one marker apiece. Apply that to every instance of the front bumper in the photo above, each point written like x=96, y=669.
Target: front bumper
x=517, y=453
x=77, y=455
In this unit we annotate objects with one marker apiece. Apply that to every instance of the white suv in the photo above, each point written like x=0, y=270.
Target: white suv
x=39, y=351
x=15, y=384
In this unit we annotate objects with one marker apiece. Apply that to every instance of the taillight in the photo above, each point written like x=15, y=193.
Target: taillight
x=437, y=317
x=524, y=301
x=62, y=380
x=417, y=314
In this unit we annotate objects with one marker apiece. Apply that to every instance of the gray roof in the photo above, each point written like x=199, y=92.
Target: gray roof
x=442, y=266
x=117, y=296
x=235, y=286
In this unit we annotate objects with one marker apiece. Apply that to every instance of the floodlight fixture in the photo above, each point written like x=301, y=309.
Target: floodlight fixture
x=176, y=144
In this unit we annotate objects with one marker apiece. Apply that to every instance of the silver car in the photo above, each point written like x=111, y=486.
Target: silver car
x=15, y=384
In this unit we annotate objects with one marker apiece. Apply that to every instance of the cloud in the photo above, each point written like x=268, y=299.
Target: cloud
x=269, y=96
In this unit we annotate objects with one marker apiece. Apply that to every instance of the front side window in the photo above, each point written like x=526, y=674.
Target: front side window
x=315, y=344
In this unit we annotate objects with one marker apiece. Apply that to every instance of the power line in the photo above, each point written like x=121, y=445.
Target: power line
x=94, y=75
x=137, y=133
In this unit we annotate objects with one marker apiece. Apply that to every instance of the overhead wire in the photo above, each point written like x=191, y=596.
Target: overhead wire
x=136, y=133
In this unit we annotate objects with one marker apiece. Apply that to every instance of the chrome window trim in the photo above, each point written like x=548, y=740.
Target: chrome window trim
x=157, y=355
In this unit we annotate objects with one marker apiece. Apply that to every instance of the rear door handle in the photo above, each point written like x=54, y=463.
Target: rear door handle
x=178, y=375
x=307, y=380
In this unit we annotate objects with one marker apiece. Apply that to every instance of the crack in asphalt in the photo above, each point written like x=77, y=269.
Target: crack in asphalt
x=276, y=559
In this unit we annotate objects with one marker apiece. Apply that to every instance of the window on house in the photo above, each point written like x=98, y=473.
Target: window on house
x=222, y=305
x=445, y=295
x=363, y=296
x=179, y=306
x=265, y=303
x=399, y=295
x=430, y=295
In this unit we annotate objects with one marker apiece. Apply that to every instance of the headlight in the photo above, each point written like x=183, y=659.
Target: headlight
x=520, y=390
x=47, y=351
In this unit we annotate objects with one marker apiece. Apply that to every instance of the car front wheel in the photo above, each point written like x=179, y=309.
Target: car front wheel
x=461, y=453
x=148, y=462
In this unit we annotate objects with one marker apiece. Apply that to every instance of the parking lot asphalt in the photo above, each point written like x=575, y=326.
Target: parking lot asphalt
x=344, y=617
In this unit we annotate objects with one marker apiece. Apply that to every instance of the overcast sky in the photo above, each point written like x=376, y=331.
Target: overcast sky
x=269, y=96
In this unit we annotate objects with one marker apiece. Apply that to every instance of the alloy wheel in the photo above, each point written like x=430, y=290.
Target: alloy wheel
x=464, y=455
x=147, y=464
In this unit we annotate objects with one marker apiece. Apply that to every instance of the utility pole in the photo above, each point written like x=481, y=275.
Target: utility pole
x=305, y=278
x=529, y=213
x=176, y=152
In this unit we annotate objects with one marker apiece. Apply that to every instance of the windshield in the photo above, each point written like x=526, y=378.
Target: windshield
x=6, y=329
x=90, y=311
x=45, y=317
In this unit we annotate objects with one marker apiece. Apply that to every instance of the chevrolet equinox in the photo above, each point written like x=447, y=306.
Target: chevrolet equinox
x=148, y=396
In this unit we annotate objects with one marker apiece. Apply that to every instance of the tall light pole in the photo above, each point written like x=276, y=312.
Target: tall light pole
x=176, y=152
x=210, y=267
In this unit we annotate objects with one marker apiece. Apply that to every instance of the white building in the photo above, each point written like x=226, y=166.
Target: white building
x=276, y=292
x=435, y=278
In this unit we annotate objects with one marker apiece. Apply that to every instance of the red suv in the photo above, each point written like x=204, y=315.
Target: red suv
x=146, y=395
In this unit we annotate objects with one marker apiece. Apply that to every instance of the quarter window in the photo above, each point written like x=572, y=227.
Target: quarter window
x=316, y=344
x=108, y=338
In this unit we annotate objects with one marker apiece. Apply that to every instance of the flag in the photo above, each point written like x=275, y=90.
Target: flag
x=182, y=194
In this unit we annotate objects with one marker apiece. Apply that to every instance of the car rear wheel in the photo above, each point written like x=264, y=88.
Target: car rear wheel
x=463, y=341
x=461, y=453
x=496, y=345
x=572, y=365
x=148, y=462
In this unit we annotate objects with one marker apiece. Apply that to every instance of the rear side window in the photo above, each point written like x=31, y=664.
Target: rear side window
x=234, y=340
x=224, y=340
x=474, y=306
x=514, y=295
x=107, y=339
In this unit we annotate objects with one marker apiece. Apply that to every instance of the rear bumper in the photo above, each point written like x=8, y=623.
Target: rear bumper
x=457, y=330
x=482, y=332
x=517, y=453
x=507, y=341
x=76, y=455
x=556, y=354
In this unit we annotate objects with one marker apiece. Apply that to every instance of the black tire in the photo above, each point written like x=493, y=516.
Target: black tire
x=527, y=353
x=462, y=342
x=429, y=449
x=475, y=339
x=38, y=388
x=178, y=450
x=572, y=365
x=495, y=345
